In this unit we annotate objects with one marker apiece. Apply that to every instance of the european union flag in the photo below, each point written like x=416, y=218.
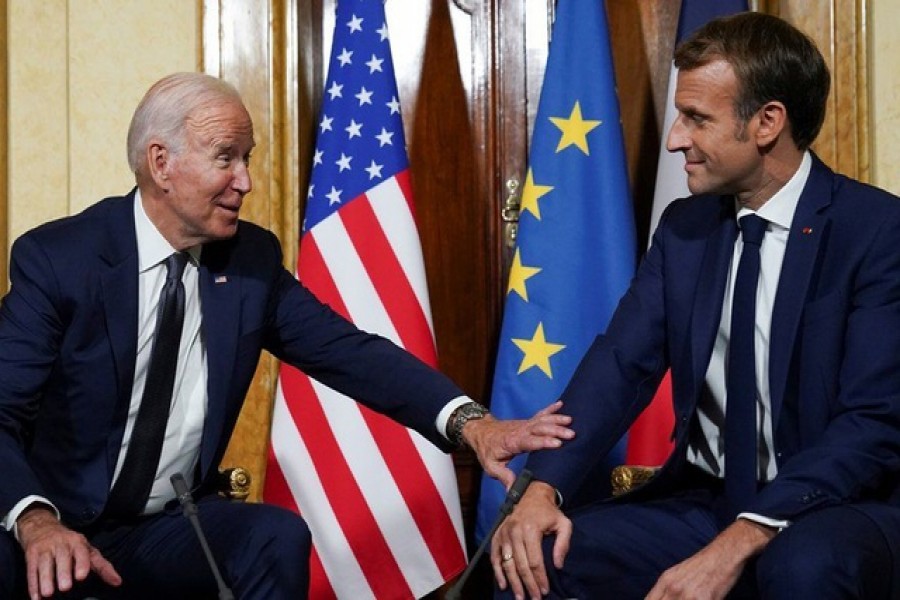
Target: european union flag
x=576, y=243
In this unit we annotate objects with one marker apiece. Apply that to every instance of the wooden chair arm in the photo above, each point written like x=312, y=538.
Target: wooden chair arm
x=234, y=483
x=626, y=478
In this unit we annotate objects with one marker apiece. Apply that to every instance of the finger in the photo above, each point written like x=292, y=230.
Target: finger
x=512, y=577
x=31, y=574
x=561, y=545
x=497, y=561
x=549, y=432
x=534, y=555
x=501, y=473
x=104, y=569
x=81, y=556
x=63, y=561
x=539, y=420
x=46, y=576
x=523, y=570
x=550, y=408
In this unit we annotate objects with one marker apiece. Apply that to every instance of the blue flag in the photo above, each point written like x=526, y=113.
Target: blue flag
x=576, y=242
x=696, y=13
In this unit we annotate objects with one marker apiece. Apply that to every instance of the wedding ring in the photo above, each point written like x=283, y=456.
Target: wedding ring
x=507, y=557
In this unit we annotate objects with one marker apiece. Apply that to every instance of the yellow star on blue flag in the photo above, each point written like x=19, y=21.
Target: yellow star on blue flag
x=581, y=237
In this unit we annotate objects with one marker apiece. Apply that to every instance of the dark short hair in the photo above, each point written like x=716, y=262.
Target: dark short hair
x=772, y=60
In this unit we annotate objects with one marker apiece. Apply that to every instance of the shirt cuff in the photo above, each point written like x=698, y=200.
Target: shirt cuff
x=9, y=521
x=778, y=524
x=441, y=421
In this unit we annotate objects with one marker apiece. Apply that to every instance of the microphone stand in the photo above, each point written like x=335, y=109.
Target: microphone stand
x=183, y=493
x=512, y=498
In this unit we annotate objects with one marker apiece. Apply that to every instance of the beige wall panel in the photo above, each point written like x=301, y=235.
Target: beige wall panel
x=38, y=107
x=77, y=70
x=116, y=50
x=884, y=22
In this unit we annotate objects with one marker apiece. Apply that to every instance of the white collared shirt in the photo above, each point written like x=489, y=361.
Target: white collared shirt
x=181, y=445
x=707, y=449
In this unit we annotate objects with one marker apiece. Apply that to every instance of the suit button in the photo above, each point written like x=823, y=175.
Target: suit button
x=88, y=514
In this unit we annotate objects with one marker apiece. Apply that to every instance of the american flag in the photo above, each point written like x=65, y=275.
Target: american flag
x=381, y=501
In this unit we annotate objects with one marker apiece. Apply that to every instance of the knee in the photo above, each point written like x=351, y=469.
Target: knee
x=796, y=566
x=284, y=534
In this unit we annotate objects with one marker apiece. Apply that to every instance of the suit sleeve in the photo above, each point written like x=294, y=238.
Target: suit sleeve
x=30, y=332
x=617, y=377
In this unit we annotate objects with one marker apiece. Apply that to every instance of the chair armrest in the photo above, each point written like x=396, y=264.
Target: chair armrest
x=234, y=483
x=626, y=478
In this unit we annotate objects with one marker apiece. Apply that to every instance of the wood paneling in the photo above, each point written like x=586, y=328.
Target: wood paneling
x=839, y=29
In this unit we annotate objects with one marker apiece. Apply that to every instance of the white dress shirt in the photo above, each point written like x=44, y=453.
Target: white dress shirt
x=707, y=445
x=181, y=445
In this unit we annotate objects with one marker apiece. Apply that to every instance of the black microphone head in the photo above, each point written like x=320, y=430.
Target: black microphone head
x=182, y=491
x=520, y=485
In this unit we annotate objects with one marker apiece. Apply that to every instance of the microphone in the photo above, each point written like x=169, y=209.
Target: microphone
x=515, y=493
x=183, y=493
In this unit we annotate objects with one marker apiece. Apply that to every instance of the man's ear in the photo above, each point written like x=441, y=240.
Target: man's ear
x=773, y=121
x=159, y=164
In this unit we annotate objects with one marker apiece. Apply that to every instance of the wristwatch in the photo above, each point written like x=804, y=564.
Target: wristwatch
x=460, y=416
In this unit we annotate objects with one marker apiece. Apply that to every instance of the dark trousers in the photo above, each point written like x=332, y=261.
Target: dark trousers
x=262, y=552
x=620, y=550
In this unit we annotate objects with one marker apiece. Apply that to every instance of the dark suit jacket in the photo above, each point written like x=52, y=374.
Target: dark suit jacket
x=834, y=349
x=68, y=334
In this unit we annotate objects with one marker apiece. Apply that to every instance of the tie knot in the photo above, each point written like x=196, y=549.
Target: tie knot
x=753, y=228
x=175, y=264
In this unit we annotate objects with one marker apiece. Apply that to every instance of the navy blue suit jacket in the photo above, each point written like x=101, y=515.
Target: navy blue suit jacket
x=834, y=349
x=68, y=335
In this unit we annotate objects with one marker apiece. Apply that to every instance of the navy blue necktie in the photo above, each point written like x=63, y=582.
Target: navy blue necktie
x=741, y=436
x=132, y=488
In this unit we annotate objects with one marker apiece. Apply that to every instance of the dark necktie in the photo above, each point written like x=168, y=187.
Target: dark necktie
x=132, y=488
x=741, y=435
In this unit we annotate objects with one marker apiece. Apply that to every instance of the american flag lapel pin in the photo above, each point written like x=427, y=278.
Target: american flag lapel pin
x=807, y=230
x=221, y=279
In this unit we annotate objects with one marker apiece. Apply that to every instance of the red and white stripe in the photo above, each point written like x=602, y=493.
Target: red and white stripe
x=380, y=500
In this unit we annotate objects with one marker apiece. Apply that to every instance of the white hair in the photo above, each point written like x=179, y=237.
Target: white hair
x=165, y=108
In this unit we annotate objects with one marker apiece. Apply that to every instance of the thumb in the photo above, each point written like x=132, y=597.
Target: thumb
x=503, y=474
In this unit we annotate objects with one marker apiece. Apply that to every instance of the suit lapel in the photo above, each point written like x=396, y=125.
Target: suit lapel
x=220, y=296
x=119, y=296
x=807, y=231
x=707, y=310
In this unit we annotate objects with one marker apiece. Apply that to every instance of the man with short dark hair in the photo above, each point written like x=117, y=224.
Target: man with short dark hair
x=773, y=294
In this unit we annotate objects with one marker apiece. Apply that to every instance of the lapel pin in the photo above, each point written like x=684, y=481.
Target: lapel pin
x=807, y=230
x=221, y=279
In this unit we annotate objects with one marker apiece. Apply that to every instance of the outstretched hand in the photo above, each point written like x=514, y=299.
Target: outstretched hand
x=56, y=556
x=497, y=442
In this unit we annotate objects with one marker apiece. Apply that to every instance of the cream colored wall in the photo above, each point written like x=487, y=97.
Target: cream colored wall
x=884, y=22
x=77, y=69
